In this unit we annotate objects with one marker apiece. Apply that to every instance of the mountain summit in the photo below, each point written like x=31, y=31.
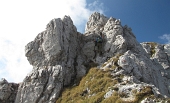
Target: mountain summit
x=62, y=58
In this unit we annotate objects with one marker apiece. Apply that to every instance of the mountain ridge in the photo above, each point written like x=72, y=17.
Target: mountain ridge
x=61, y=55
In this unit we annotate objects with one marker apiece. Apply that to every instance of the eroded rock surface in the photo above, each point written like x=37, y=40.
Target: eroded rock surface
x=145, y=70
x=42, y=85
x=61, y=56
x=54, y=55
x=8, y=91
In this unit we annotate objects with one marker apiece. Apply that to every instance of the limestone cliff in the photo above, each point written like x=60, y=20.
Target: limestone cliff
x=8, y=91
x=61, y=56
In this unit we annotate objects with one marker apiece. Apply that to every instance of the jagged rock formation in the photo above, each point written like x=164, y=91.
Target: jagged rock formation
x=61, y=56
x=8, y=91
x=55, y=56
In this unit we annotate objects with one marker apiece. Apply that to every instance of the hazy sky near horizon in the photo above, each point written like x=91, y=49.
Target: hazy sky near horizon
x=22, y=20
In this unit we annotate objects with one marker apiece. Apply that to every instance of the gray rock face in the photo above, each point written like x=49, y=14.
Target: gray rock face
x=161, y=56
x=145, y=70
x=115, y=42
x=59, y=40
x=42, y=85
x=160, y=59
x=60, y=56
x=55, y=56
x=8, y=91
x=96, y=22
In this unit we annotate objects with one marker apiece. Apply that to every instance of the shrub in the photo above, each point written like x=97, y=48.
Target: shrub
x=153, y=45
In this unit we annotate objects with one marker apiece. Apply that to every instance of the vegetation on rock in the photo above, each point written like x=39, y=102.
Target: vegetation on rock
x=97, y=82
x=91, y=88
x=153, y=45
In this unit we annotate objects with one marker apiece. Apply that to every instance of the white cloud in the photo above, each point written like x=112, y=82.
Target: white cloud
x=22, y=20
x=165, y=37
x=97, y=6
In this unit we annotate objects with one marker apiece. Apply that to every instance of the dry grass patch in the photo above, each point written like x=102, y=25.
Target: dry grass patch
x=91, y=88
x=113, y=99
x=145, y=92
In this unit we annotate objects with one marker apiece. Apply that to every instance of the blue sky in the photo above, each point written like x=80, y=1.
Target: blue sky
x=149, y=19
x=22, y=20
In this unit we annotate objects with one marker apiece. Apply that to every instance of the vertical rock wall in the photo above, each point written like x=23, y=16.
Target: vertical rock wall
x=53, y=54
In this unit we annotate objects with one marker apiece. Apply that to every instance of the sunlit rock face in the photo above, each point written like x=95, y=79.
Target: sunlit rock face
x=60, y=56
x=54, y=55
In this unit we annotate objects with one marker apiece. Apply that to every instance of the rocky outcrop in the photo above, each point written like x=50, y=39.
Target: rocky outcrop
x=54, y=55
x=42, y=85
x=8, y=91
x=135, y=58
x=61, y=56
x=159, y=54
x=144, y=70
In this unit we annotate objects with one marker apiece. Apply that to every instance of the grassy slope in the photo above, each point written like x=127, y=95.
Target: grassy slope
x=92, y=89
x=96, y=84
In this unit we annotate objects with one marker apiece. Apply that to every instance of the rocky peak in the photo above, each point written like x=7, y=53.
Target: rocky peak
x=61, y=56
x=96, y=22
x=54, y=41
